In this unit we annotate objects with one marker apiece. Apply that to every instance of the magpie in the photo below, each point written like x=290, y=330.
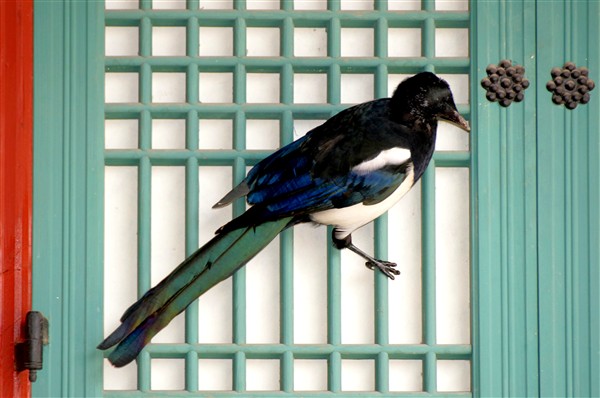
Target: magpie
x=344, y=173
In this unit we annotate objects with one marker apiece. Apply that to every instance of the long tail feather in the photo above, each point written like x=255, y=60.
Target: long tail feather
x=180, y=277
x=209, y=265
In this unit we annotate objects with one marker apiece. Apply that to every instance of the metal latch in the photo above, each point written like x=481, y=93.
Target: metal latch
x=29, y=354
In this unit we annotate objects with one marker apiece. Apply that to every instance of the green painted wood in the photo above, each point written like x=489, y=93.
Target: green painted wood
x=69, y=178
x=428, y=288
x=569, y=181
x=68, y=194
x=504, y=167
x=279, y=394
x=537, y=171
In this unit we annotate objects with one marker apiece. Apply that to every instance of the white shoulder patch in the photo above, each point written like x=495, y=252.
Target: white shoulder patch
x=389, y=157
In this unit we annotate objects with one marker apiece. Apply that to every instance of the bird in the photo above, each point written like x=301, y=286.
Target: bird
x=344, y=173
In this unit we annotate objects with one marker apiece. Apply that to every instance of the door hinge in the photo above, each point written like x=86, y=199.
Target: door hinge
x=29, y=353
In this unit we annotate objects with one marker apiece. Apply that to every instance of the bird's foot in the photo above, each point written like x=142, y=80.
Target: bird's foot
x=388, y=268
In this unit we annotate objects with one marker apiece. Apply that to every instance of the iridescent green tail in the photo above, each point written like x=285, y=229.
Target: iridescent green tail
x=209, y=265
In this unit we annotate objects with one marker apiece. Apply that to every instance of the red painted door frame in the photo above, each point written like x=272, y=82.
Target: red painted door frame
x=16, y=98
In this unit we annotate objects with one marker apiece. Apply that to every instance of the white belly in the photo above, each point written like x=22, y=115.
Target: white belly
x=349, y=219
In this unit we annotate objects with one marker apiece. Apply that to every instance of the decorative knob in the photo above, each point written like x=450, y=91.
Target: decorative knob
x=570, y=85
x=505, y=83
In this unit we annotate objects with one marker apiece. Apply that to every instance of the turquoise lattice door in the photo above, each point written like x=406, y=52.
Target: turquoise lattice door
x=538, y=253
x=216, y=89
x=146, y=112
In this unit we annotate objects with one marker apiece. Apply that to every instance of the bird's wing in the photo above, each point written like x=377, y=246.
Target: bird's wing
x=307, y=195
x=304, y=194
x=273, y=167
x=338, y=164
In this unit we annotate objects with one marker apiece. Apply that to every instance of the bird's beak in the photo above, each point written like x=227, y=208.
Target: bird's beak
x=456, y=118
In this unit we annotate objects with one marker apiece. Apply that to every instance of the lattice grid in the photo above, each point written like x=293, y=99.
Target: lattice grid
x=202, y=90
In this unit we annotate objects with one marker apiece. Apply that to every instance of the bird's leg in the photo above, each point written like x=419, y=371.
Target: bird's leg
x=388, y=268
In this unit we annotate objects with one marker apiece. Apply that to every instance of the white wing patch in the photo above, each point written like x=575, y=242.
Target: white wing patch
x=389, y=157
x=348, y=219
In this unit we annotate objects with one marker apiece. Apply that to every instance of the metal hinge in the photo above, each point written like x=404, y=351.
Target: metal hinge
x=29, y=354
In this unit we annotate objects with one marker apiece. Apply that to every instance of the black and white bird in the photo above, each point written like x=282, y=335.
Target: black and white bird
x=344, y=173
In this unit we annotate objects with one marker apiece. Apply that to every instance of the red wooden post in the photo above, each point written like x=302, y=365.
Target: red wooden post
x=16, y=98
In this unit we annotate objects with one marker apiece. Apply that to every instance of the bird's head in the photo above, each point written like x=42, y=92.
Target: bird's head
x=426, y=96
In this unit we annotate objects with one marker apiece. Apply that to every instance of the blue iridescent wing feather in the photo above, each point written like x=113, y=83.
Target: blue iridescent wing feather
x=315, y=172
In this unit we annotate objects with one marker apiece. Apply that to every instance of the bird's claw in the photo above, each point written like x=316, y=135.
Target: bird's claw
x=388, y=268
